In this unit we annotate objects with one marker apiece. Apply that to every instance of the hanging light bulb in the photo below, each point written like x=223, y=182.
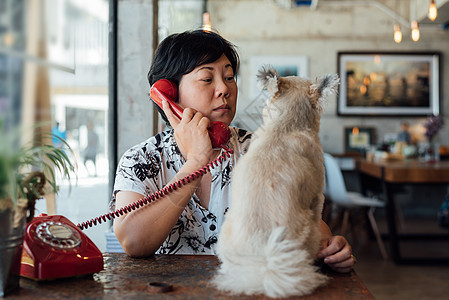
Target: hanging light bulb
x=397, y=34
x=415, y=31
x=432, y=10
x=206, y=22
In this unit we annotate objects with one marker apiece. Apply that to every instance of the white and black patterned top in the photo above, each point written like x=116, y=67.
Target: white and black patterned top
x=149, y=166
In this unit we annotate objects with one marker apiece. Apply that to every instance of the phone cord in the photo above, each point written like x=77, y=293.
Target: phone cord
x=162, y=192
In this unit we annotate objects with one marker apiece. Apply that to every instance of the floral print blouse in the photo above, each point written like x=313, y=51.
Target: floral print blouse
x=149, y=166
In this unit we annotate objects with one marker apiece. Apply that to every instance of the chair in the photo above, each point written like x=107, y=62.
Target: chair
x=336, y=190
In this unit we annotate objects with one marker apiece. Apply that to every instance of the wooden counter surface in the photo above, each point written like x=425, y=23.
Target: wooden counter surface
x=189, y=275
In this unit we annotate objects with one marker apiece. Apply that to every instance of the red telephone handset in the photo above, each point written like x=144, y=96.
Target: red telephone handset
x=219, y=132
x=54, y=247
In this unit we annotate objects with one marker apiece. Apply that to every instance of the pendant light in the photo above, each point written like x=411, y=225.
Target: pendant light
x=206, y=22
x=415, y=31
x=397, y=34
x=432, y=10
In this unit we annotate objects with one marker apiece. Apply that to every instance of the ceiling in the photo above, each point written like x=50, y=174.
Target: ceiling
x=442, y=19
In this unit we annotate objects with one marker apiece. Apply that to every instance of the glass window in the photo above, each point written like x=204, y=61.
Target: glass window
x=78, y=36
x=54, y=70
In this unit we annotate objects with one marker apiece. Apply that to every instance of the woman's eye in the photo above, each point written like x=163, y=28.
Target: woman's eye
x=229, y=78
x=207, y=79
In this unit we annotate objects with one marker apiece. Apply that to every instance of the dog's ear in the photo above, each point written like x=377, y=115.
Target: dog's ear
x=269, y=78
x=324, y=86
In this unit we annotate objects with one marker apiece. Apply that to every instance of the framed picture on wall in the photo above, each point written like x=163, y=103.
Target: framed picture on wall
x=358, y=139
x=388, y=84
x=285, y=65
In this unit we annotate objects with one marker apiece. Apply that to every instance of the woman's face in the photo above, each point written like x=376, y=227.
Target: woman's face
x=210, y=89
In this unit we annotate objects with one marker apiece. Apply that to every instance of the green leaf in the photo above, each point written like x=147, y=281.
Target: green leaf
x=17, y=161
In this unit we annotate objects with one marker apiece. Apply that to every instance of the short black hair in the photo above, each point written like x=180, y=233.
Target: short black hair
x=180, y=53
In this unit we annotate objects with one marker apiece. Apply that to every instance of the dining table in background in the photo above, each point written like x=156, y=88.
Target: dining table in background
x=393, y=175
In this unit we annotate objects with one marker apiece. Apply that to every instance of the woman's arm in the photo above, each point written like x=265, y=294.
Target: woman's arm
x=336, y=251
x=142, y=231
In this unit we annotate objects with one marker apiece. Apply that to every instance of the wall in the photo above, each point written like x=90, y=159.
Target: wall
x=260, y=27
x=135, y=38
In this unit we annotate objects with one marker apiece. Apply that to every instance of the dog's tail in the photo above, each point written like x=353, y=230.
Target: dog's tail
x=282, y=269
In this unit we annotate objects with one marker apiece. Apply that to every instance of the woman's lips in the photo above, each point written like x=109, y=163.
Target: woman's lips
x=223, y=107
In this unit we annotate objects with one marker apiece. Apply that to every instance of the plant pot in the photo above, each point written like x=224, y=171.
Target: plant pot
x=12, y=230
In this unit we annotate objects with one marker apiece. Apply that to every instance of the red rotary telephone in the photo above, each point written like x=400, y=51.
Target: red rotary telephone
x=54, y=247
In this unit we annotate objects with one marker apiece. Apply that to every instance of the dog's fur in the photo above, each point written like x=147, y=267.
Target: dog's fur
x=270, y=237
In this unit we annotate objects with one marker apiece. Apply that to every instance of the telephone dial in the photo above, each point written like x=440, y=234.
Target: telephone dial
x=54, y=247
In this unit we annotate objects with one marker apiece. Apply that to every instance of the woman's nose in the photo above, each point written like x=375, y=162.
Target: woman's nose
x=222, y=89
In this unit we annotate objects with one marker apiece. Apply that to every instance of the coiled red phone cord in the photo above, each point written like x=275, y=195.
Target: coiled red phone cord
x=162, y=192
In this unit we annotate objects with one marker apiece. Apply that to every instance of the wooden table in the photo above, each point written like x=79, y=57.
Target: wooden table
x=395, y=173
x=189, y=275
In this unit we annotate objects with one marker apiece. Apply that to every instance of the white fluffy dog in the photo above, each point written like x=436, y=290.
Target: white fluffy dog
x=270, y=237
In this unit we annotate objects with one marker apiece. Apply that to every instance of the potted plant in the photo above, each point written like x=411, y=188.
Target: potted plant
x=27, y=172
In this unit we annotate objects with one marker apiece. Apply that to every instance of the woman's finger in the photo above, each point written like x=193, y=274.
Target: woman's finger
x=190, y=114
x=343, y=266
x=339, y=256
x=172, y=118
x=332, y=245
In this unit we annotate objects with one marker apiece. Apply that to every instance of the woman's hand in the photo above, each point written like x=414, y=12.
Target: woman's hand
x=337, y=254
x=335, y=250
x=191, y=134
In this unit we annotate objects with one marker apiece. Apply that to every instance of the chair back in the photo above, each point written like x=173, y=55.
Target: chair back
x=335, y=185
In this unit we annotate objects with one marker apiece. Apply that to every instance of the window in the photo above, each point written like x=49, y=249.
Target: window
x=54, y=70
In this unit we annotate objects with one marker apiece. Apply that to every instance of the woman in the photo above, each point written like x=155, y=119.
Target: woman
x=187, y=221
